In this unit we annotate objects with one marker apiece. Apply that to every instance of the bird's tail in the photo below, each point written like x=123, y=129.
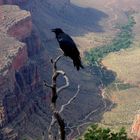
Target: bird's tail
x=77, y=62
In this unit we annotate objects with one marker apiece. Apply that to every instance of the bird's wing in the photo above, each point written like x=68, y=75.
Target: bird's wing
x=67, y=44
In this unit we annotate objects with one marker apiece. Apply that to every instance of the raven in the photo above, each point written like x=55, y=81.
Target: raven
x=68, y=46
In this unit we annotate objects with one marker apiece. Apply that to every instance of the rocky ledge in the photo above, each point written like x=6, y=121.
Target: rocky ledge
x=13, y=23
x=135, y=130
x=19, y=77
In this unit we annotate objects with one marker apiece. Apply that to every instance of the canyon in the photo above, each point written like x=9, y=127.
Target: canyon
x=26, y=47
x=19, y=76
x=25, y=63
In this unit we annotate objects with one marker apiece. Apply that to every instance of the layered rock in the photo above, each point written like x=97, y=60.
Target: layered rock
x=19, y=77
x=135, y=130
x=7, y=78
x=15, y=22
x=13, y=53
x=18, y=104
x=33, y=42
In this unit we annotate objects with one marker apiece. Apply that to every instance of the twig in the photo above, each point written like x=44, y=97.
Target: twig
x=61, y=124
x=56, y=60
x=54, y=77
x=66, y=81
x=46, y=84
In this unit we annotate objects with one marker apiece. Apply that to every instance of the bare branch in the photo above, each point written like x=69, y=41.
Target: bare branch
x=55, y=62
x=66, y=81
x=56, y=117
x=46, y=84
x=71, y=99
x=61, y=72
x=54, y=86
x=61, y=124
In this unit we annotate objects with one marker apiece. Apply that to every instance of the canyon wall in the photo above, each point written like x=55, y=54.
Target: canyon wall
x=19, y=76
x=135, y=130
x=33, y=42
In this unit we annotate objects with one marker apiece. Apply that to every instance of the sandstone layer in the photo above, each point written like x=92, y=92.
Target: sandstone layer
x=135, y=130
x=18, y=76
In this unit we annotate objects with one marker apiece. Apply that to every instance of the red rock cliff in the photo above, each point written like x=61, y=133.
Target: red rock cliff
x=13, y=54
x=135, y=130
x=18, y=76
x=21, y=29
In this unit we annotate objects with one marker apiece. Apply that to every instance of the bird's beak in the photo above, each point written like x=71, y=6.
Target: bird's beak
x=53, y=30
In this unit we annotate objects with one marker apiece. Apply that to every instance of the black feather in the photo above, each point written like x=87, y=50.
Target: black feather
x=68, y=46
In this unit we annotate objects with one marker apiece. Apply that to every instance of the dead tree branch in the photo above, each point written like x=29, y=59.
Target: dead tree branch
x=56, y=117
x=61, y=124
x=53, y=121
x=66, y=81
x=46, y=84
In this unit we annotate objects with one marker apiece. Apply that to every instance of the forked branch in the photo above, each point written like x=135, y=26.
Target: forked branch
x=56, y=117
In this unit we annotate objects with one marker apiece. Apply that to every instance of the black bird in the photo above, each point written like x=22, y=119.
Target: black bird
x=68, y=46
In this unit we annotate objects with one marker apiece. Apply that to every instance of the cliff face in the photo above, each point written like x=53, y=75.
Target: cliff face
x=135, y=130
x=21, y=30
x=13, y=55
x=33, y=42
x=15, y=22
x=19, y=77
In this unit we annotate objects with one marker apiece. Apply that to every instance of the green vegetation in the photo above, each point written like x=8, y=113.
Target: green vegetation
x=123, y=40
x=97, y=133
x=124, y=86
x=118, y=85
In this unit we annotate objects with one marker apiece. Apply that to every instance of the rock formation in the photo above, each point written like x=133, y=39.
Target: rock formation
x=24, y=109
x=135, y=130
x=33, y=42
x=19, y=76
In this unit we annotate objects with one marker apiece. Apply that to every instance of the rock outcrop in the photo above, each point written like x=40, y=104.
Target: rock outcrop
x=14, y=22
x=19, y=77
x=135, y=130
x=33, y=42
x=13, y=56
